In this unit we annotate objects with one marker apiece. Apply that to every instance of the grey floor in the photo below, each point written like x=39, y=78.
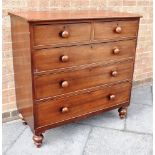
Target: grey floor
x=104, y=134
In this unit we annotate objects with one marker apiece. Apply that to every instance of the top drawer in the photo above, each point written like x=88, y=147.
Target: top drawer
x=61, y=33
x=115, y=30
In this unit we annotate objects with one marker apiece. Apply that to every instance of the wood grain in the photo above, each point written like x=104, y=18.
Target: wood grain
x=51, y=85
x=48, y=59
x=107, y=30
x=72, y=64
x=57, y=15
x=49, y=112
x=52, y=34
x=22, y=68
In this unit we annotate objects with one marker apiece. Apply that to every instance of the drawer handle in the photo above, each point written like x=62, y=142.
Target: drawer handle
x=64, y=58
x=118, y=29
x=112, y=97
x=116, y=50
x=64, y=110
x=114, y=73
x=64, y=34
x=64, y=84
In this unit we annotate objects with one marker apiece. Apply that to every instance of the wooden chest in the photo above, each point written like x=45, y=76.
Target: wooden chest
x=72, y=64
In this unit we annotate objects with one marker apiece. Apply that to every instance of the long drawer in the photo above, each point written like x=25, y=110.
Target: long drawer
x=51, y=34
x=115, y=30
x=73, y=80
x=55, y=58
x=61, y=109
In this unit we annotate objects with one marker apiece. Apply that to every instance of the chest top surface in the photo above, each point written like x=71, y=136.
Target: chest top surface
x=56, y=15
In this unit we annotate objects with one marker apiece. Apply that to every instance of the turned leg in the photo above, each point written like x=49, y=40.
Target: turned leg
x=38, y=140
x=122, y=112
x=21, y=117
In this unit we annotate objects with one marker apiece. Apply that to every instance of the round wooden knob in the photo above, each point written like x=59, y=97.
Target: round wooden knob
x=112, y=97
x=118, y=29
x=64, y=84
x=116, y=50
x=64, y=58
x=114, y=73
x=64, y=34
x=64, y=110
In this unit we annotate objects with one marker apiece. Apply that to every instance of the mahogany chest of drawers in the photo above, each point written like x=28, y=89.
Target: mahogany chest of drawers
x=72, y=64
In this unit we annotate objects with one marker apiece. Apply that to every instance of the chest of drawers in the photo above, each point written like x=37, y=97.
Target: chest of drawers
x=70, y=65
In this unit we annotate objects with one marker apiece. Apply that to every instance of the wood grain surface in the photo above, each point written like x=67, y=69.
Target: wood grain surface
x=52, y=34
x=57, y=15
x=22, y=69
x=51, y=84
x=50, y=112
x=107, y=30
x=48, y=59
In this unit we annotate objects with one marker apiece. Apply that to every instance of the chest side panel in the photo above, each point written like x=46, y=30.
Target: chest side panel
x=22, y=68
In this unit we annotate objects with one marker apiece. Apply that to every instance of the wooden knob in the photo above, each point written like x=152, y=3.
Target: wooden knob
x=64, y=84
x=114, y=73
x=118, y=29
x=64, y=34
x=112, y=97
x=116, y=50
x=64, y=110
x=64, y=58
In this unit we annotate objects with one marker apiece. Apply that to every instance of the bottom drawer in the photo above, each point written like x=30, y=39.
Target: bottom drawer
x=67, y=107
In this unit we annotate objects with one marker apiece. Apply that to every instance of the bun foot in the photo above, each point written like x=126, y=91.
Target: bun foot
x=38, y=140
x=122, y=112
x=23, y=121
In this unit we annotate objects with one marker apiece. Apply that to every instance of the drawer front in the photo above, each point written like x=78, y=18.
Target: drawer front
x=48, y=59
x=68, y=81
x=61, y=109
x=115, y=30
x=61, y=33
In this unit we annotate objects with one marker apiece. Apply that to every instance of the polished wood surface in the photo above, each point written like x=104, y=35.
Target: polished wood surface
x=50, y=111
x=51, y=85
x=72, y=64
x=42, y=129
x=55, y=58
x=115, y=29
x=22, y=69
x=61, y=33
x=57, y=15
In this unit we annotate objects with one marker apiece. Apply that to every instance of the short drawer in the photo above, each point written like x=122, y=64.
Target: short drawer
x=73, y=80
x=45, y=35
x=115, y=30
x=48, y=59
x=65, y=108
